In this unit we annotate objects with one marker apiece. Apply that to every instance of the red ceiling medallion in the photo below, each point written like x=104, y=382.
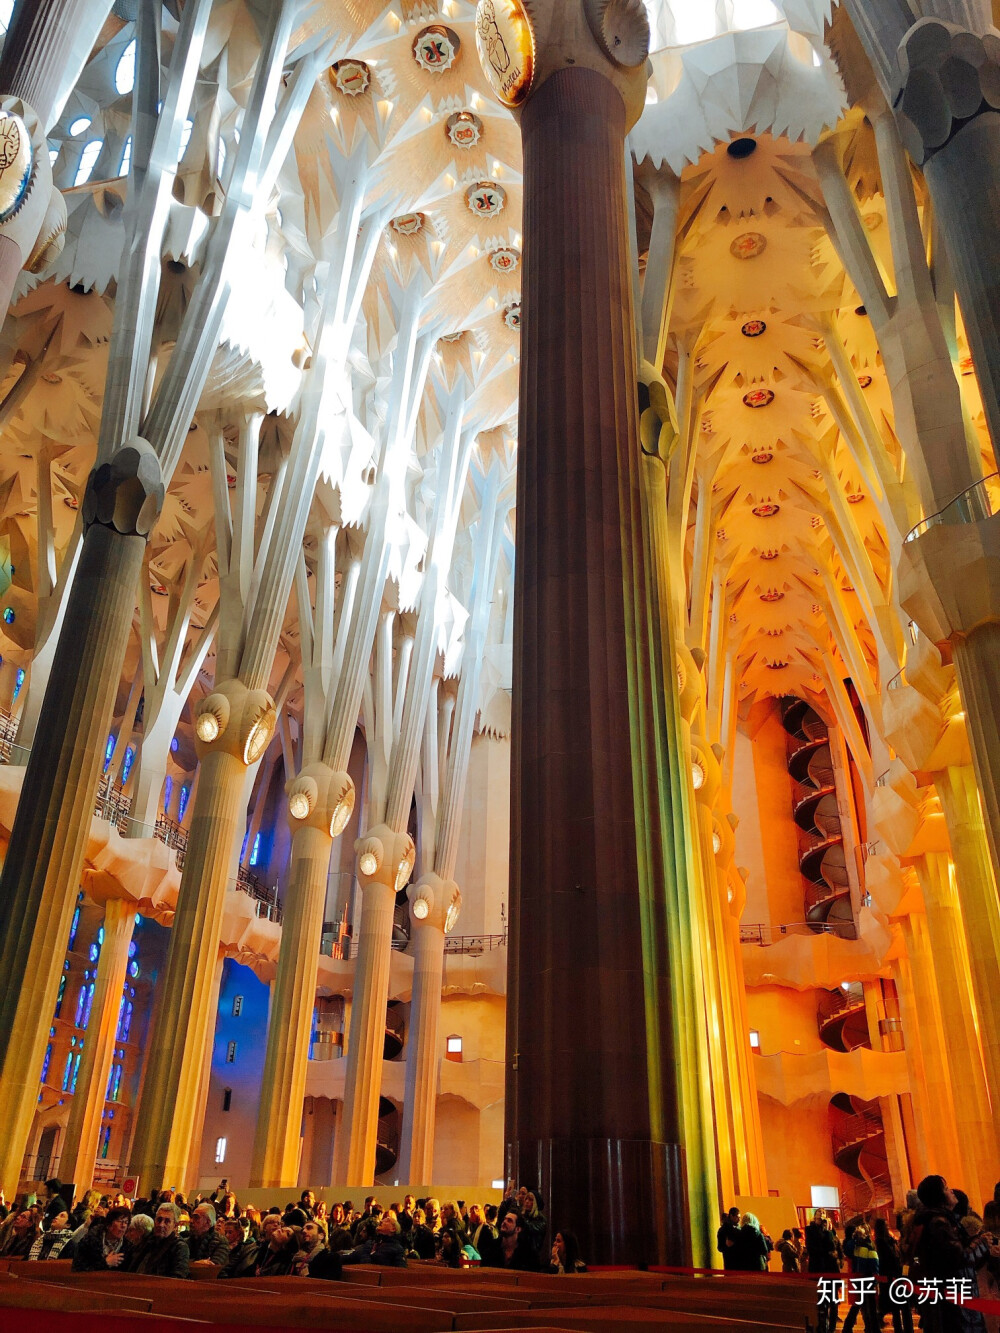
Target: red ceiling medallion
x=464, y=129
x=770, y=554
x=753, y=328
x=749, y=245
x=855, y=497
x=767, y=509
x=772, y=595
x=864, y=381
x=351, y=77
x=775, y=666
x=159, y=589
x=71, y=502
x=512, y=316
x=407, y=224
x=758, y=398
x=505, y=260
x=436, y=48
x=485, y=199
x=762, y=456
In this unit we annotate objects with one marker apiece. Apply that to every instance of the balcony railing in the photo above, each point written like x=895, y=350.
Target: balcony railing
x=473, y=945
x=972, y=506
x=760, y=933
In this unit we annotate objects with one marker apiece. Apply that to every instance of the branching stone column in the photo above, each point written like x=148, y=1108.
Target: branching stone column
x=591, y=1105
x=233, y=727
x=41, y=874
x=384, y=864
x=434, y=907
x=79, y=1150
x=320, y=802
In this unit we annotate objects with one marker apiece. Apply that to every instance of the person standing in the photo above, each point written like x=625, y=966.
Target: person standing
x=727, y=1236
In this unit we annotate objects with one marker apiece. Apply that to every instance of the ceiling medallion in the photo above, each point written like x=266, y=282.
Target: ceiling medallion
x=775, y=666
x=816, y=608
x=51, y=377
x=864, y=381
x=753, y=328
x=351, y=77
x=436, y=48
x=452, y=337
x=770, y=554
x=506, y=48
x=774, y=633
x=407, y=224
x=772, y=595
x=767, y=509
x=505, y=260
x=761, y=456
x=464, y=129
x=485, y=199
x=758, y=398
x=159, y=589
x=748, y=245
x=855, y=497
x=720, y=534
x=512, y=316
x=16, y=161
x=71, y=502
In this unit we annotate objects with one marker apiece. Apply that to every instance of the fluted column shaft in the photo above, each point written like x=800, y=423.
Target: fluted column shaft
x=416, y=1162
x=41, y=873
x=279, y=1120
x=588, y=966
x=357, y=1125
x=977, y=893
x=166, y=1123
x=79, y=1150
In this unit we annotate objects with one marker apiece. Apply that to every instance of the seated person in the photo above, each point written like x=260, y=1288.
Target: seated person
x=242, y=1248
x=515, y=1248
x=277, y=1249
x=340, y=1237
x=54, y=1242
x=385, y=1247
x=566, y=1254
x=163, y=1252
x=314, y=1258
x=18, y=1234
x=205, y=1243
x=103, y=1245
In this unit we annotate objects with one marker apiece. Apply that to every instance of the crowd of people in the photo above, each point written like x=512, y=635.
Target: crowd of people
x=939, y=1244
x=166, y=1235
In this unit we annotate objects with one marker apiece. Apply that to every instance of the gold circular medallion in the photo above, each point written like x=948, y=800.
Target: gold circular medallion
x=506, y=48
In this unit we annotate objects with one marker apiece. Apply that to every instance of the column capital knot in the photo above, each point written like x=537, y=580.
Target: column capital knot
x=947, y=76
x=434, y=902
x=522, y=43
x=320, y=797
x=235, y=720
x=126, y=493
x=385, y=857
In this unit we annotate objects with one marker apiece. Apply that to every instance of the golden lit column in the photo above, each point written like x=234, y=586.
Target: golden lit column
x=79, y=1150
x=958, y=1013
x=41, y=874
x=233, y=726
x=434, y=908
x=320, y=802
x=594, y=959
x=384, y=861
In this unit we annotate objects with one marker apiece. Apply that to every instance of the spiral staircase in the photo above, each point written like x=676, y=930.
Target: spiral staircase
x=822, y=860
x=860, y=1153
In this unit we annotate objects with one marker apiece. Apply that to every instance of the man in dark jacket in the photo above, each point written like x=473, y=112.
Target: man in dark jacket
x=727, y=1236
x=205, y=1242
x=943, y=1252
x=164, y=1253
x=515, y=1249
x=384, y=1248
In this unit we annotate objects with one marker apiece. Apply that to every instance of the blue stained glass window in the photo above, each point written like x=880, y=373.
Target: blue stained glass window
x=243, y=849
x=109, y=750
x=46, y=1062
x=67, y=1072
x=133, y=968
x=133, y=949
x=105, y=1140
x=126, y=1026
x=81, y=1000
x=121, y=1015
x=74, y=928
x=173, y=745
x=100, y=935
x=62, y=992
x=94, y=952
x=87, y=1006
x=168, y=791
x=255, y=854
x=182, y=803
x=116, y=1081
x=18, y=681
x=76, y=1072
x=127, y=765
x=8, y=615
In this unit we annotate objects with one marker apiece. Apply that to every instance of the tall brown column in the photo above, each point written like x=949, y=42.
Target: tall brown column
x=591, y=1104
x=41, y=873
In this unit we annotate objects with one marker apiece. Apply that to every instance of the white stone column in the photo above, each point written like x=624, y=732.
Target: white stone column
x=384, y=864
x=434, y=907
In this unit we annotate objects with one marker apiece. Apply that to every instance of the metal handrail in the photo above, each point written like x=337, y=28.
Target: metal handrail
x=897, y=682
x=971, y=506
x=763, y=934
